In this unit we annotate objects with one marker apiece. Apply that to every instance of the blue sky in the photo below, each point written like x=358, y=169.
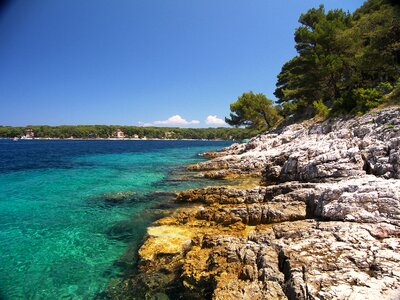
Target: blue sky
x=132, y=62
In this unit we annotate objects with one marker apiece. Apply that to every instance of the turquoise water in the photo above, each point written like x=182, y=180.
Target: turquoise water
x=62, y=229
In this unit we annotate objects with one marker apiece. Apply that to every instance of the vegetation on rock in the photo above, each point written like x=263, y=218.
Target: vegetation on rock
x=347, y=60
x=253, y=111
x=345, y=63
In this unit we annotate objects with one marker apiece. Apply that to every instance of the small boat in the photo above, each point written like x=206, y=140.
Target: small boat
x=15, y=139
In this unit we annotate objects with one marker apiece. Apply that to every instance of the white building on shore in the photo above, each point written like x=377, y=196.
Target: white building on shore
x=29, y=134
x=119, y=134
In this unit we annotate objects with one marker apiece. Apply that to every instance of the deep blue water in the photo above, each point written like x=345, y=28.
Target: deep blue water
x=70, y=209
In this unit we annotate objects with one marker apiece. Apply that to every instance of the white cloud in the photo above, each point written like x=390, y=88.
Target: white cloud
x=143, y=124
x=214, y=120
x=176, y=120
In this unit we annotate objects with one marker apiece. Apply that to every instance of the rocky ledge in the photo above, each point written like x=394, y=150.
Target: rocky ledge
x=323, y=222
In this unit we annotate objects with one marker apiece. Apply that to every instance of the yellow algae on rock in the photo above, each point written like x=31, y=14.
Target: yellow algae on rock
x=165, y=239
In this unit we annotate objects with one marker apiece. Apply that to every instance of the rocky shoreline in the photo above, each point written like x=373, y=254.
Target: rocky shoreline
x=320, y=220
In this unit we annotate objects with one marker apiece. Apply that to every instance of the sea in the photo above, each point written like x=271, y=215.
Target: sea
x=72, y=213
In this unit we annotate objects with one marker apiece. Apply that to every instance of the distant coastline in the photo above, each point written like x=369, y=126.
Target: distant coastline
x=111, y=132
x=109, y=139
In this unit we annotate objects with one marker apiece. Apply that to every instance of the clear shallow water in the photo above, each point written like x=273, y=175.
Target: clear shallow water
x=61, y=234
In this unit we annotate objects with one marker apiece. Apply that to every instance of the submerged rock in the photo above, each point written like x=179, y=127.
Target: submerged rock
x=119, y=197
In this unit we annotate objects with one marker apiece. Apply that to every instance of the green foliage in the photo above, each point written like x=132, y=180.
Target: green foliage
x=366, y=99
x=321, y=108
x=358, y=101
x=385, y=87
x=254, y=111
x=340, y=53
x=288, y=108
x=343, y=104
x=394, y=95
x=344, y=63
x=316, y=71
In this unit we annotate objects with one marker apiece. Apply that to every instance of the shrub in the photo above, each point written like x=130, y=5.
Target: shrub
x=385, y=87
x=321, y=108
x=394, y=95
x=366, y=99
x=288, y=108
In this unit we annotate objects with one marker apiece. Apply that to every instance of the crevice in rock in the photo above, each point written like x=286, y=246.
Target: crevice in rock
x=367, y=166
x=285, y=269
x=311, y=207
x=306, y=293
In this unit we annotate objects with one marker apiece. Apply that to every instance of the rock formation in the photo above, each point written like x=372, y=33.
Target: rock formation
x=323, y=222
